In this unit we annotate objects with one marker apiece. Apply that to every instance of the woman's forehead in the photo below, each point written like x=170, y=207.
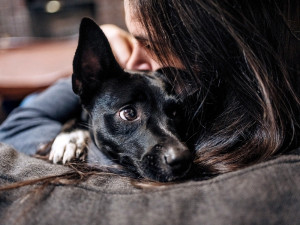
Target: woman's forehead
x=132, y=22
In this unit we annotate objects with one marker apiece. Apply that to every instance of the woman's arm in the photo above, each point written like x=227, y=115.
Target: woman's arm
x=40, y=120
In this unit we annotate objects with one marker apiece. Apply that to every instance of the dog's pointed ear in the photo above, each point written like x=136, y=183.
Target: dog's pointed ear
x=178, y=82
x=93, y=61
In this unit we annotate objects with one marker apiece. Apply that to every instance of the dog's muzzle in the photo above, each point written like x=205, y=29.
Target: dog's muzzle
x=167, y=162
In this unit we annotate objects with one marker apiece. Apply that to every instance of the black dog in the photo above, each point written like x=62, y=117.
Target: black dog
x=133, y=117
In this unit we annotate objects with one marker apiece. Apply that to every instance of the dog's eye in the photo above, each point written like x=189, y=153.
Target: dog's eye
x=128, y=114
x=174, y=113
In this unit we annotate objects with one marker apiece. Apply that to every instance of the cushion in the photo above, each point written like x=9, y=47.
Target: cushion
x=266, y=193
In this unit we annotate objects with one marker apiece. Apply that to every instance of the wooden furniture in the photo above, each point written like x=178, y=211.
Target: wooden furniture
x=33, y=67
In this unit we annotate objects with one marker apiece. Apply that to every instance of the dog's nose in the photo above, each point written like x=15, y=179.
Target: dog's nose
x=179, y=159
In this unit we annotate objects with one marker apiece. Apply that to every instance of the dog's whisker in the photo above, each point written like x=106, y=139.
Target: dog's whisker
x=85, y=125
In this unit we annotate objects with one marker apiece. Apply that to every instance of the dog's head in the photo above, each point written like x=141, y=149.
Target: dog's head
x=135, y=117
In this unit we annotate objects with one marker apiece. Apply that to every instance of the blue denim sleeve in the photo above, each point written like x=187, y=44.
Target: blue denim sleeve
x=40, y=119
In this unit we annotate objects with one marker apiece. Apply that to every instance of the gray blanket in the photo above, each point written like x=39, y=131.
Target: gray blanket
x=267, y=193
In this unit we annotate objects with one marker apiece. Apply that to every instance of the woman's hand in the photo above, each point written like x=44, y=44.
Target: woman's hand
x=129, y=52
x=120, y=41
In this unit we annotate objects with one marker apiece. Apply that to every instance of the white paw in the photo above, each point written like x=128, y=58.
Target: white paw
x=69, y=146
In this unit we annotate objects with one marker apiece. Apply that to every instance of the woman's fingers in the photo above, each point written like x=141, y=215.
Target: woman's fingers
x=120, y=41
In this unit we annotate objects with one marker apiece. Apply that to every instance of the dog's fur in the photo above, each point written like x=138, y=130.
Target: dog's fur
x=134, y=117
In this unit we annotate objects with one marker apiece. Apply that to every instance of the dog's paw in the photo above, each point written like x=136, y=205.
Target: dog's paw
x=69, y=146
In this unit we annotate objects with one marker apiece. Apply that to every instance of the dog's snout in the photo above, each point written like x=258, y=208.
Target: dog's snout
x=173, y=156
x=176, y=158
x=167, y=161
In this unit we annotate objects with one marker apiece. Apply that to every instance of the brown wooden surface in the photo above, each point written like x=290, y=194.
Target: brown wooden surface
x=34, y=67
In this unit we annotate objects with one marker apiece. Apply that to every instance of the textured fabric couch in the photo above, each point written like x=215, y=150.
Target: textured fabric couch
x=267, y=193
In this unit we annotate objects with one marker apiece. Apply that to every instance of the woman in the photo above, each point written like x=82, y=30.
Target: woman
x=241, y=55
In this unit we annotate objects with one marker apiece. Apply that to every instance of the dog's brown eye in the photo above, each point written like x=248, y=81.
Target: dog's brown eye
x=174, y=113
x=129, y=114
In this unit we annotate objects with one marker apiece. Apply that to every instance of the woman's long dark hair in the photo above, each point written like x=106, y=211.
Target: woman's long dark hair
x=243, y=56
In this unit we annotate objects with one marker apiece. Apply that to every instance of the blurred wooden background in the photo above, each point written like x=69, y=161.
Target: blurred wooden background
x=38, y=39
